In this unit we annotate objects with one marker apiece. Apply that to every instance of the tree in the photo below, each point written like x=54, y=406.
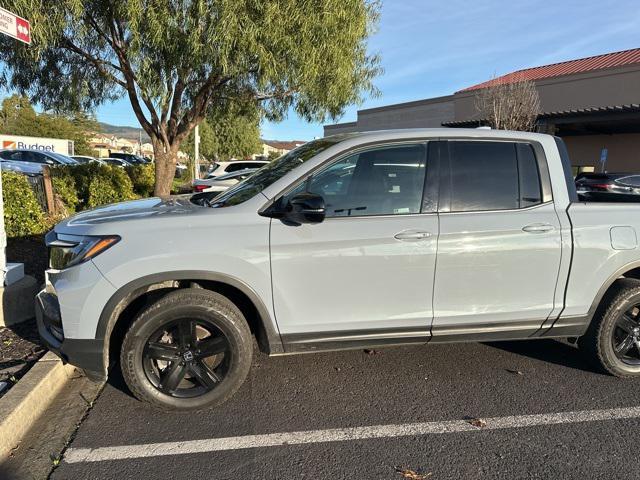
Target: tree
x=273, y=155
x=178, y=60
x=229, y=131
x=17, y=117
x=509, y=106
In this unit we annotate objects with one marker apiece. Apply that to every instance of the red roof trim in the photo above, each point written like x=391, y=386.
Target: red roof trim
x=598, y=62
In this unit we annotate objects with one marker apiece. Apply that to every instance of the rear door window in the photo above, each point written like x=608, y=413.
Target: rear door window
x=491, y=175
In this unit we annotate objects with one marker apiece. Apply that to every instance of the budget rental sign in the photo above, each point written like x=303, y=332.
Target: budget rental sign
x=15, y=26
x=58, y=145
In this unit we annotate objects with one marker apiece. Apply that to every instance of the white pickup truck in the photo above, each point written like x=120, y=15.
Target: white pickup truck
x=360, y=240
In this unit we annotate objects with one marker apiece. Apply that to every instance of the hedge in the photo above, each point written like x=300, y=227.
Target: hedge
x=23, y=215
x=93, y=185
x=77, y=187
x=143, y=178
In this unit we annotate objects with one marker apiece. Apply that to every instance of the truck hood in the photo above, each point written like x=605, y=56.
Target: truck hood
x=132, y=210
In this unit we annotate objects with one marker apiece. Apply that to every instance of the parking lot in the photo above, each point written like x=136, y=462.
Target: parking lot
x=496, y=410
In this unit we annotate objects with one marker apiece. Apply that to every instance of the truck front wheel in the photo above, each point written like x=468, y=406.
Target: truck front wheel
x=612, y=341
x=190, y=350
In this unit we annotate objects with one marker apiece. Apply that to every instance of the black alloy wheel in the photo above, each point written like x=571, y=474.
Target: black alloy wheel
x=192, y=349
x=612, y=340
x=186, y=358
x=626, y=336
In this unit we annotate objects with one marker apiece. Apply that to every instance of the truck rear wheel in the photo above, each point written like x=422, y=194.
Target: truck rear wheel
x=612, y=341
x=190, y=350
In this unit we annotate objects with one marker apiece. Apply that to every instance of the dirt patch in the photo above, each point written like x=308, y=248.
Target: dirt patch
x=32, y=252
x=20, y=348
x=20, y=345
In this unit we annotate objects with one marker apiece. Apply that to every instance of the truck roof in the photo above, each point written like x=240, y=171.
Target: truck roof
x=376, y=135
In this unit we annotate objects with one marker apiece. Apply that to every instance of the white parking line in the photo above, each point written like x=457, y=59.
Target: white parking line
x=77, y=455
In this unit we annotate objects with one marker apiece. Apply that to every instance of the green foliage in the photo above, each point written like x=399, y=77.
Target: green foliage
x=232, y=131
x=65, y=187
x=17, y=117
x=273, y=155
x=94, y=184
x=103, y=190
x=143, y=178
x=180, y=61
x=23, y=214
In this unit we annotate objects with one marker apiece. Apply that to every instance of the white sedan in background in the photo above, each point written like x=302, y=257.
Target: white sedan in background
x=223, y=182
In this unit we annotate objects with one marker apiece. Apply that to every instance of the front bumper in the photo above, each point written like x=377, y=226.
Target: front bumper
x=87, y=354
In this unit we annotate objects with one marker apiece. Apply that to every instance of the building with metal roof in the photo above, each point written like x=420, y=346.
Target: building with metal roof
x=592, y=103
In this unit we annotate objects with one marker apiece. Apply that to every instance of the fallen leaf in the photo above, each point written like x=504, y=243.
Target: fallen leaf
x=411, y=474
x=478, y=422
x=370, y=351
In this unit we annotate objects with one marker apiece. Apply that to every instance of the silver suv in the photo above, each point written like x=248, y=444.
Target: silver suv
x=361, y=240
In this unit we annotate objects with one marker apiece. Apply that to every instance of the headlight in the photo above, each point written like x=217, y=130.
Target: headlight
x=68, y=250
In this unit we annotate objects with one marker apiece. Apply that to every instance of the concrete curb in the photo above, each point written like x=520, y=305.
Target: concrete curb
x=29, y=398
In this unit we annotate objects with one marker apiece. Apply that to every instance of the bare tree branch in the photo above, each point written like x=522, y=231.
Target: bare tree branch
x=509, y=106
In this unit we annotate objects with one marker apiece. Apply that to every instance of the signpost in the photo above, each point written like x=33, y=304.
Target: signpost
x=603, y=158
x=20, y=29
x=15, y=26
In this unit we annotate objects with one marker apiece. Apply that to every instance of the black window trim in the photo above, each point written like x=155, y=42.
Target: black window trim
x=444, y=200
x=433, y=185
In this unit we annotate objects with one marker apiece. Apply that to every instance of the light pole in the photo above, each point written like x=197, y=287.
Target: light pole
x=196, y=153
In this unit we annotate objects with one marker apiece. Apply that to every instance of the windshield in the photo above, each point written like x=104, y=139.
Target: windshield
x=273, y=171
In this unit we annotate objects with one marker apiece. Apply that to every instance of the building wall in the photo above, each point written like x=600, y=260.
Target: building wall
x=336, y=128
x=616, y=86
x=420, y=114
x=623, y=151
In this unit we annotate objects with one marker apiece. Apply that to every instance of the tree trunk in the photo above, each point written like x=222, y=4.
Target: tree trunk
x=165, y=169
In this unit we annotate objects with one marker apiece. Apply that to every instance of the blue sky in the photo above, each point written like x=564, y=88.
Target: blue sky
x=431, y=48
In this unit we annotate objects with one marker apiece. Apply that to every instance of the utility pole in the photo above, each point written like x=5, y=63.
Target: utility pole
x=196, y=153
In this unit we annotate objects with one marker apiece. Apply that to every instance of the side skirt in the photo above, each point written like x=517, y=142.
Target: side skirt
x=295, y=343
x=352, y=339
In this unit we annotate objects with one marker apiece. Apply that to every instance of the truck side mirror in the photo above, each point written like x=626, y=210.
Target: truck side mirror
x=306, y=207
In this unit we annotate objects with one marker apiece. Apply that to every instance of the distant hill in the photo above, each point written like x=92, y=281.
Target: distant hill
x=130, y=133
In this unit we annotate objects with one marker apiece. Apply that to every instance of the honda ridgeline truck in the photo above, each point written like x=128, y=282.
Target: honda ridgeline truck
x=351, y=241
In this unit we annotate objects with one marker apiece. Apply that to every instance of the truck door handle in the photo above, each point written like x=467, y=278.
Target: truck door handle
x=411, y=235
x=538, y=228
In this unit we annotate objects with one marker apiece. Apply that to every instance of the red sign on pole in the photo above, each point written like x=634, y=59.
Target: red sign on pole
x=15, y=26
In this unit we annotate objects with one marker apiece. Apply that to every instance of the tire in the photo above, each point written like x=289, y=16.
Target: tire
x=164, y=358
x=608, y=330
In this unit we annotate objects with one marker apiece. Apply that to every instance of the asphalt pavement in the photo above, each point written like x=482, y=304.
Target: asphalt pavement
x=531, y=409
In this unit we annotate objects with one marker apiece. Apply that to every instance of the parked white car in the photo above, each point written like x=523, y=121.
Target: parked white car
x=223, y=182
x=117, y=162
x=84, y=159
x=220, y=168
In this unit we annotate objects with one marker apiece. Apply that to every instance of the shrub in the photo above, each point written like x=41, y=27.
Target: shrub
x=95, y=184
x=109, y=189
x=23, y=214
x=65, y=188
x=143, y=178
